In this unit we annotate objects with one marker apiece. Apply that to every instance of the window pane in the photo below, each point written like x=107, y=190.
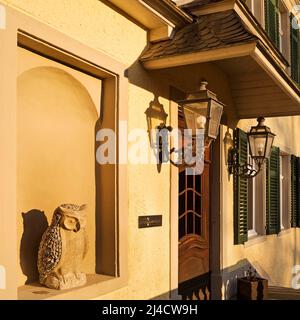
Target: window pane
x=198, y=183
x=181, y=181
x=190, y=181
x=181, y=204
x=197, y=225
x=198, y=204
x=190, y=200
x=190, y=223
x=181, y=227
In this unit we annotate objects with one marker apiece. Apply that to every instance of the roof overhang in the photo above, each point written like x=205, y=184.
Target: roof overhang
x=256, y=70
x=160, y=17
x=246, y=17
x=199, y=57
x=259, y=86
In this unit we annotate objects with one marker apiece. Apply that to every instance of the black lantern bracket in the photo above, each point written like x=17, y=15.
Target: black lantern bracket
x=247, y=170
x=164, y=154
x=163, y=144
x=201, y=111
x=260, y=141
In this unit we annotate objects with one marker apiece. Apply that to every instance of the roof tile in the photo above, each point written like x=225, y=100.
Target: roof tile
x=213, y=31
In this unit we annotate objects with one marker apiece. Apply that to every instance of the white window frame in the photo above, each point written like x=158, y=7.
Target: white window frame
x=257, y=9
x=257, y=202
x=280, y=29
x=285, y=184
x=284, y=30
x=257, y=196
x=250, y=4
x=252, y=197
x=281, y=177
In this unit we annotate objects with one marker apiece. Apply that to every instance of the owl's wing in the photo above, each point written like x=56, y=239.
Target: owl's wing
x=49, y=252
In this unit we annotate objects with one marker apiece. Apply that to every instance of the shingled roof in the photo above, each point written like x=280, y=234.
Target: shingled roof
x=212, y=31
x=199, y=3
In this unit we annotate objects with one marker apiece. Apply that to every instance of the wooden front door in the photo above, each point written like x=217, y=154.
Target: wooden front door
x=194, y=217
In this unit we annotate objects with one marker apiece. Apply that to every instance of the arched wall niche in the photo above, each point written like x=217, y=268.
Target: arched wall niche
x=57, y=112
x=26, y=34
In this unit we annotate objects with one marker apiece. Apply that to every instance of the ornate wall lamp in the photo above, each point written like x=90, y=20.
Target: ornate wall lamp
x=260, y=140
x=202, y=110
x=202, y=115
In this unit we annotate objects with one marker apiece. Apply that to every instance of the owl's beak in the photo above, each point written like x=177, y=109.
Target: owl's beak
x=77, y=228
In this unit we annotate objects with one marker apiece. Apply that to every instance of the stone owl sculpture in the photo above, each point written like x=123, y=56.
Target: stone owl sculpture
x=63, y=247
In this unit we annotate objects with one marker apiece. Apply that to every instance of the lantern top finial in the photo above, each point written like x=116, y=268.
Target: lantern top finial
x=261, y=121
x=203, y=85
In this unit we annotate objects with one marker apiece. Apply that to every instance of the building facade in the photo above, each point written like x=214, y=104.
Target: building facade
x=72, y=68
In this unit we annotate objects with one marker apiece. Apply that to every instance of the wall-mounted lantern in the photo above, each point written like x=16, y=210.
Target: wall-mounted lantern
x=260, y=140
x=202, y=110
x=202, y=114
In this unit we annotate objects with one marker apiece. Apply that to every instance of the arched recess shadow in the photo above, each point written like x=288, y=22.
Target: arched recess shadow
x=106, y=182
x=56, y=118
x=34, y=225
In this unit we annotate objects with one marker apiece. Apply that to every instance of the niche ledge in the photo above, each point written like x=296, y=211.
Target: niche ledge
x=96, y=286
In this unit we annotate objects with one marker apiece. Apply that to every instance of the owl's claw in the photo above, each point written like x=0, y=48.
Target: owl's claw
x=78, y=275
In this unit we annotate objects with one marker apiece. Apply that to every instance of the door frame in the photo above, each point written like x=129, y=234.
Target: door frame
x=215, y=214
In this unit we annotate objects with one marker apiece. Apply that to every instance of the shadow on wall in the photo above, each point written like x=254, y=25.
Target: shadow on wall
x=156, y=117
x=34, y=225
x=105, y=191
x=185, y=79
x=228, y=283
x=232, y=273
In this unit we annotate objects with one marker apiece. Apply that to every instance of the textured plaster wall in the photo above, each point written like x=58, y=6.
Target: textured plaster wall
x=98, y=26
x=274, y=255
x=89, y=21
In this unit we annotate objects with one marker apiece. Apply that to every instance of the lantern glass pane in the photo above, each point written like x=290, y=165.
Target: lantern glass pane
x=216, y=111
x=190, y=119
x=257, y=145
x=199, y=107
x=270, y=140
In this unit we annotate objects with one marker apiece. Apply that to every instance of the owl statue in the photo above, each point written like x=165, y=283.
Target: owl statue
x=62, y=249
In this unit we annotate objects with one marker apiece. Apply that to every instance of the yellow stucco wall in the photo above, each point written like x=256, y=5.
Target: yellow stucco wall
x=273, y=256
x=98, y=26
x=102, y=28
x=91, y=22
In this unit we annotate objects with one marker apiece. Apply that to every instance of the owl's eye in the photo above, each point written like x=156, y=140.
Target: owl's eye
x=70, y=221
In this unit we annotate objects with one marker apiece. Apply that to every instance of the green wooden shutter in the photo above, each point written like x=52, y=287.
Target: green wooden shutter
x=295, y=43
x=273, y=192
x=295, y=191
x=272, y=20
x=241, y=191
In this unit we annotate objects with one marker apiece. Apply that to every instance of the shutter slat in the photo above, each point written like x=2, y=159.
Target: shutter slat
x=294, y=193
x=241, y=191
x=295, y=184
x=295, y=43
x=272, y=20
x=273, y=192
